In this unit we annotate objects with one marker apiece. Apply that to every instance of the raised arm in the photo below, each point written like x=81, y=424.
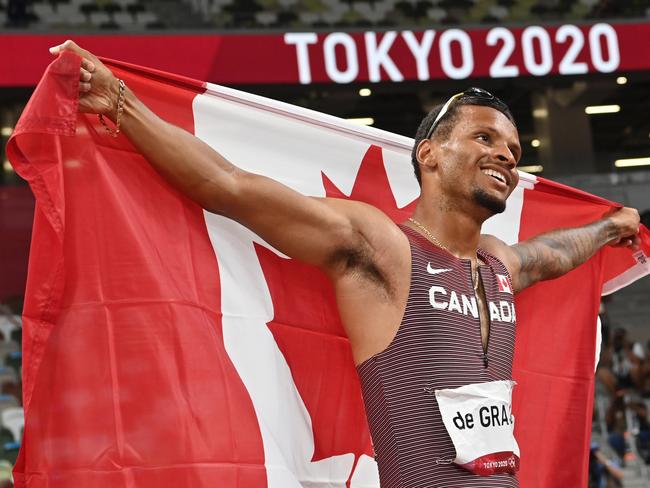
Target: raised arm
x=323, y=232
x=555, y=253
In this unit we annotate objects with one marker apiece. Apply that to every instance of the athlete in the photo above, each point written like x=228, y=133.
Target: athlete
x=427, y=305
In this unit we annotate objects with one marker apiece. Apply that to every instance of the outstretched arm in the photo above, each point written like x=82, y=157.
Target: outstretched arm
x=322, y=232
x=555, y=253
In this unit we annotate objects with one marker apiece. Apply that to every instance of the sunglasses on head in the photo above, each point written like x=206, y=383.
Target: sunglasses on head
x=470, y=92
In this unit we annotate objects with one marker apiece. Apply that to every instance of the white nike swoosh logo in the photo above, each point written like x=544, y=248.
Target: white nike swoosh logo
x=434, y=271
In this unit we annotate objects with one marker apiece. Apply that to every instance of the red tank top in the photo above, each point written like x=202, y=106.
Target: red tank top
x=438, y=345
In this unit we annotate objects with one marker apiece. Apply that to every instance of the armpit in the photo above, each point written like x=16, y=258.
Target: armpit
x=361, y=263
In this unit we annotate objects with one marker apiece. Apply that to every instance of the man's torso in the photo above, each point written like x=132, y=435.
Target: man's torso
x=437, y=345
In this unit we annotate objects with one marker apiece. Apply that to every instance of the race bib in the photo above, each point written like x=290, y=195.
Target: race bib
x=479, y=420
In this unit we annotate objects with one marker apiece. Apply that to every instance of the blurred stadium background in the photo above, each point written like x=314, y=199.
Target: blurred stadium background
x=576, y=74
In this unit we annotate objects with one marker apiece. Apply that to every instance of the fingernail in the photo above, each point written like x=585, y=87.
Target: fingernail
x=54, y=49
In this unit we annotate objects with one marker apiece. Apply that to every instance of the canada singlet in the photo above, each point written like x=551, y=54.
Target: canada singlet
x=437, y=346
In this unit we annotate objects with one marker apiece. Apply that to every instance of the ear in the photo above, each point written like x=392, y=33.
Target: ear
x=425, y=155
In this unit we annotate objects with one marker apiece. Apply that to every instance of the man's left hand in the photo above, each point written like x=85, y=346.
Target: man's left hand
x=624, y=227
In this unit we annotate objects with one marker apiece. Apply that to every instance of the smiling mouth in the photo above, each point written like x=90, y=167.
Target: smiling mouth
x=495, y=174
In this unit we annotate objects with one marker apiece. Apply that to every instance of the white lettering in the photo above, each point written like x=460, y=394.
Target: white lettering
x=378, y=56
x=454, y=304
x=499, y=68
x=501, y=311
x=608, y=33
x=455, y=51
x=466, y=54
x=569, y=65
x=432, y=297
x=504, y=308
x=530, y=34
x=420, y=51
x=494, y=313
x=351, y=59
x=301, y=40
x=470, y=305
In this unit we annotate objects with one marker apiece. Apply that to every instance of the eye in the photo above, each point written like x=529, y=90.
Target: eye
x=483, y=137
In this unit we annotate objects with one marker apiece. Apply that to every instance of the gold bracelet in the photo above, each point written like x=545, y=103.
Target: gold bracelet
x=120, y=109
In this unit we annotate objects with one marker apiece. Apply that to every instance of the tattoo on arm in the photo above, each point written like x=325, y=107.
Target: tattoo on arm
x=555, y=253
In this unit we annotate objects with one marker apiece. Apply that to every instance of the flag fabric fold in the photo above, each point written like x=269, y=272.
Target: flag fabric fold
x=166, y=346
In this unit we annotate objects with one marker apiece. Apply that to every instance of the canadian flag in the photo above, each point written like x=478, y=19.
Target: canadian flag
x=165, y=346
x=504, y=284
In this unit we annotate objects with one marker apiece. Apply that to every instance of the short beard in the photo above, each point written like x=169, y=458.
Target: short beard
x=486, y=200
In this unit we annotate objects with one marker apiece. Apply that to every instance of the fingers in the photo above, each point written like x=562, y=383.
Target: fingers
x=633, y=242
x=86, y=57
x=69, y=46
x=57, y=49
x=88, y=65
x=84, y=75
x=84, y=80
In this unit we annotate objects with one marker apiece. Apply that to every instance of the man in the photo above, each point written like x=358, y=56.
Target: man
x=428, y=305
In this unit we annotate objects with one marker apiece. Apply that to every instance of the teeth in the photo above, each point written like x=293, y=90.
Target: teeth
x=495, y=174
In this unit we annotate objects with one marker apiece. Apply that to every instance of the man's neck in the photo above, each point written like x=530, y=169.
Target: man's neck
x=456, y=230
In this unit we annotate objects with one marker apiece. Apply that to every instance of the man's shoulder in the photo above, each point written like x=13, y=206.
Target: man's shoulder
x=499, y=249
x=492, y=244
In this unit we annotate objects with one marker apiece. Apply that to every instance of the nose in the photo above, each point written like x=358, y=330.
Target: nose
x=504, y=155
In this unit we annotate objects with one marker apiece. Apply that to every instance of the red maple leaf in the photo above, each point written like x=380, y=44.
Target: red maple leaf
x=308, y=330
x=372, y=186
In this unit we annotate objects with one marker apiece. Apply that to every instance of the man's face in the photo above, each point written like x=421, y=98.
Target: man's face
x=478, y=159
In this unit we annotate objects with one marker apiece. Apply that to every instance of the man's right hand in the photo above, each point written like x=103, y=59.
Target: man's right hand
x=98, y=87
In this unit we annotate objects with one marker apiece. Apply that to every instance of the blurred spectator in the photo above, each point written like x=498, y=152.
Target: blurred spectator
x=626, y=365
x=643, y=437
x=616, y=424
x=645, y=373
x=603, y=473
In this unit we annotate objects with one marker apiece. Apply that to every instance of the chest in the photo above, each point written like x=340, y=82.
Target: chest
x=463, y=327
x=449, y=288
